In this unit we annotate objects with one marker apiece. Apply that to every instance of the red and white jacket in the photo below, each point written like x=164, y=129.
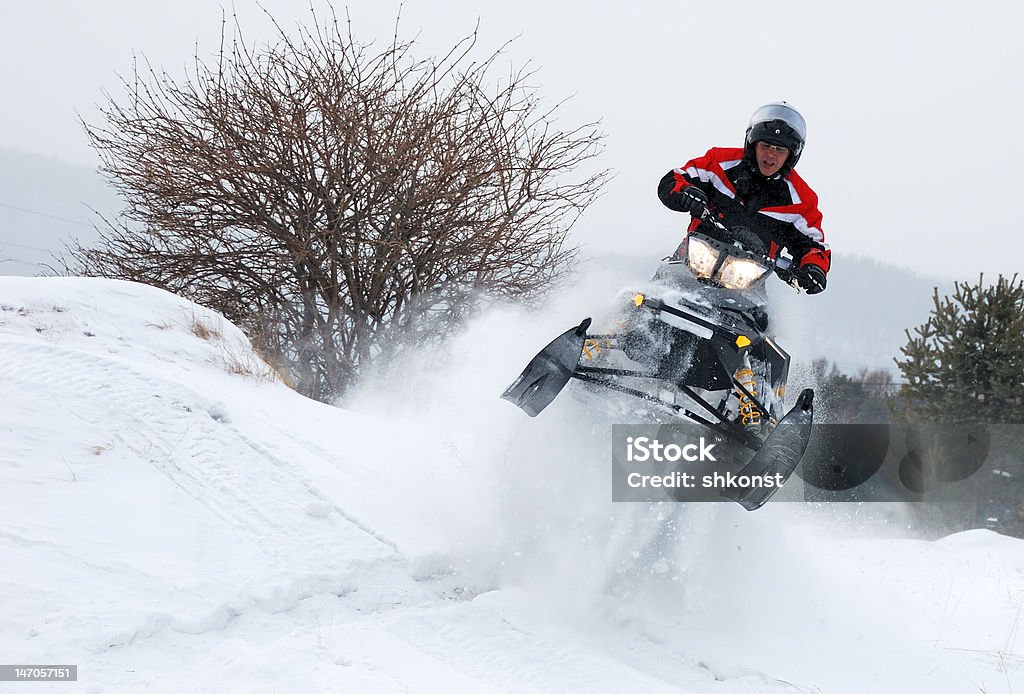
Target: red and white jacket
x=782, y=209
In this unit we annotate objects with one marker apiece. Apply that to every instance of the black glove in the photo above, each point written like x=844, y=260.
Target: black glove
x=812, y=279
x=693, y=200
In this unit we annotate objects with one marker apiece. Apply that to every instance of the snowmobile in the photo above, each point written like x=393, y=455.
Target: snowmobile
x=701, y=351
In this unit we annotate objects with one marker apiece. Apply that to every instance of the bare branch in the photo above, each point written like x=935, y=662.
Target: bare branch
x=329, y=197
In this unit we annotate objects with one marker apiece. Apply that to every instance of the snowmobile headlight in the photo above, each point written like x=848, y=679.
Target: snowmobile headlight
x=701, y=257
x=740, y=273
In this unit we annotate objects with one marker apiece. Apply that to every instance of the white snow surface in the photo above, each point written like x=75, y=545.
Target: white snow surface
x=174, y=519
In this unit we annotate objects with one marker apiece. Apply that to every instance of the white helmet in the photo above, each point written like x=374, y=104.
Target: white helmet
x=780, y=124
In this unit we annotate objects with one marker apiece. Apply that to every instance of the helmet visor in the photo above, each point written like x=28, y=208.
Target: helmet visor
x=783, y=112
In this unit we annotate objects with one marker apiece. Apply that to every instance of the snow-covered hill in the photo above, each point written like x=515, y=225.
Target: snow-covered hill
x=172, y=518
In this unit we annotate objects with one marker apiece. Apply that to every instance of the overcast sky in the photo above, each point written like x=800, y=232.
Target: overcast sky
x=913, y=108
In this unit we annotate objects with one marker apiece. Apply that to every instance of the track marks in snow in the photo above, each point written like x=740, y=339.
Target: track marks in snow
x=286, y=541
x=188, y=439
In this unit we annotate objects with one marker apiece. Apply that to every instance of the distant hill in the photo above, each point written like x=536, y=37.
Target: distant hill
x=859, y=321
x=45, y=202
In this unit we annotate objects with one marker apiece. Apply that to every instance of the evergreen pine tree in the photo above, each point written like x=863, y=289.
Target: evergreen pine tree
x=966, y=363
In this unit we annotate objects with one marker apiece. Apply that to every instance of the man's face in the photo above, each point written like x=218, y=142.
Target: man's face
x=770, y=158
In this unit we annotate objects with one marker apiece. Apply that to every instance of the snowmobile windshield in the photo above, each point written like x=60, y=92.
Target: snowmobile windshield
x=726, y=265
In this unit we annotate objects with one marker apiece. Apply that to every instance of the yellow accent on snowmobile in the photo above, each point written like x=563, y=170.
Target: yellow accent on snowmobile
x=749, y=413
x=638, y=300
x=742, y=341
x=592, y=347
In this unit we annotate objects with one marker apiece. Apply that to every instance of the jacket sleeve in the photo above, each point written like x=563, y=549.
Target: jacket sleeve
x=805, y=240
x=670, y=186
x=707, y=172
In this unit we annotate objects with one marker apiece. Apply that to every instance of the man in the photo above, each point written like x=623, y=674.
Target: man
x=756, y=187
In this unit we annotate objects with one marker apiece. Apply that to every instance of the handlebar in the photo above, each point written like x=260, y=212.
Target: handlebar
x=789, y=275
x=741, y=235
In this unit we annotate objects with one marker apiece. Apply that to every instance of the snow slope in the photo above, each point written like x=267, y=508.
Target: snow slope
x=174, y=519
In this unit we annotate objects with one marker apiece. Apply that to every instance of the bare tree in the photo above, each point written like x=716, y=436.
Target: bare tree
x=329, y=197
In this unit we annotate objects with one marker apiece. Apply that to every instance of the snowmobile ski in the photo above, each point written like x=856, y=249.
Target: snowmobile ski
x=779, y=454
x=548, y=372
